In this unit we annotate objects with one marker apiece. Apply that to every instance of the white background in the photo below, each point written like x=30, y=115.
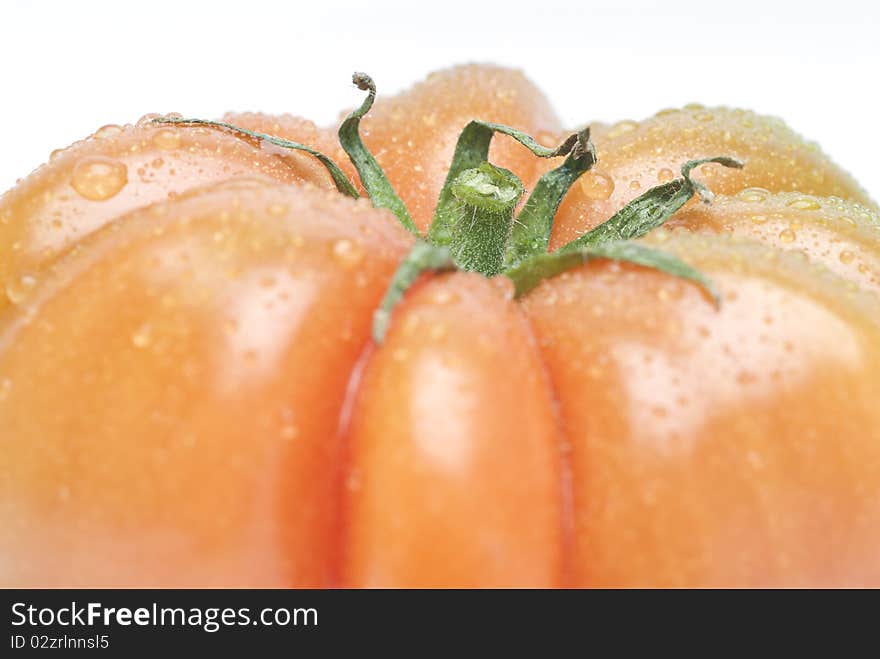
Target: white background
x=67, y=68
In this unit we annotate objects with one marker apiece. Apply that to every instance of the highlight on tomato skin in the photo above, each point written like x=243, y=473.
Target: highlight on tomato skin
x=193, y=391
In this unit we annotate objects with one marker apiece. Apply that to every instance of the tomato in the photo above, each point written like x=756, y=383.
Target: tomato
x=191, y=393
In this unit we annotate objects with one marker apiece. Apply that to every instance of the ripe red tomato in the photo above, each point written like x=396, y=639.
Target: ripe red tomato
x=190, y=395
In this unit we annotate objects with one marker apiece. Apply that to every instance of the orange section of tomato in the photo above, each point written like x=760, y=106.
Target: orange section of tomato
x=841, y=235
x=728, y=447
x=169, y=396
x=454, y=474
x=634, y=157
x=117, y=170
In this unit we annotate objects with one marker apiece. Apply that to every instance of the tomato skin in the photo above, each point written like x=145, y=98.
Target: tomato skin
x=454, y=475
x=731, y=447
x=181, y=429
x=59, y=204
x=633, y=157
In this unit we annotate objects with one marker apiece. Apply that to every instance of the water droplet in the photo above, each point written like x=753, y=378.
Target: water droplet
x=754, y=194
x=348, y=253
x=665, y=175
x=846, y=257
x=353, y=481
x=148, y=118
x=597, y=186
x=444, y=296
x=107, y=131
x=755, y=460
x=411, y=325
x=142, y=337
x=759, y=219
x=63, y=493
x=787, y=236
x=17, y=289
x=167, y=139
x=5, y=388
x=289, y=432
x=622, y=127
x=547, y=139
x=634, y=184
x=804, y=204
x=99, y=178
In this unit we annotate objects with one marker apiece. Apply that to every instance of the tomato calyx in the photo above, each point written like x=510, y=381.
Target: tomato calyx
x=475, y=228
x=379, y=189
x=650, y=210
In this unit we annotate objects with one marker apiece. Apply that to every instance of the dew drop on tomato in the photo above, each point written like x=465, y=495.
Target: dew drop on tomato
x=17, y=289
x=754, y=195
x=805, y=204
x=348, y=253
x=622, y=127
x=142, y=337
x=167, y=139
x=108, y=131
x=597, y=186
x=99, y=178
x=787, y=236
x=665, y=175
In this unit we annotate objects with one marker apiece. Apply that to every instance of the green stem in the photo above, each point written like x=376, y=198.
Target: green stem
x=472, y=150
x=487, y=196
x=652, y=209
x=373, y=178
x=339, y=178
x=422, y=257
x=531, y=229
x=536, y=269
